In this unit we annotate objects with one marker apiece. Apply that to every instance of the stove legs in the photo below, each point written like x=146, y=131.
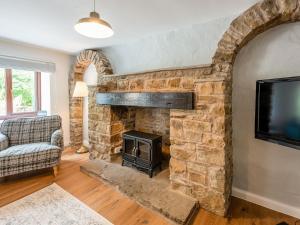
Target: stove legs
x=150, y=173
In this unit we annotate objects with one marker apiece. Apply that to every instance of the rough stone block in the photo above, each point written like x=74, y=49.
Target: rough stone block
x=211, y=157
x=213, y=140
x=218, y=126
x=122, y=85
x=197, y=126
x=213, y=201
x=176, y=128
x=174, y=83
x=177, y=166
x=197, y=178
x=117, y=128
x=216, y=178
x=196, y=167
x=187, y=83
x=137, y=84
x=186, y=152
x=183, y=188
x=192, y=135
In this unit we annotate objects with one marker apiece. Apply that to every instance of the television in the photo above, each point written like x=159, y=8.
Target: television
x=277, y=113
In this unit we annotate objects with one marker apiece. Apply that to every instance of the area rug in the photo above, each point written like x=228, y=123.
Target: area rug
x=50, y=206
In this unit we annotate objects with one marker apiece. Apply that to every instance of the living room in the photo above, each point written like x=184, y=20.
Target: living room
x=120, y=113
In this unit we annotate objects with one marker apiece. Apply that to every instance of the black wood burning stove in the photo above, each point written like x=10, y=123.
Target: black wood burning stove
x=142, y=150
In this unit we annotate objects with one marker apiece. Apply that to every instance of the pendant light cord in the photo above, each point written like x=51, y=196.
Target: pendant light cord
x=94, y=5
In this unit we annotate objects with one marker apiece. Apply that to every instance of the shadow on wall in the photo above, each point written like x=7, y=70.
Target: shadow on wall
x=261, y=167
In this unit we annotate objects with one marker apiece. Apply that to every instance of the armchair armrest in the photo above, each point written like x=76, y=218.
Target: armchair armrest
x=3, y=142
x=57, y=139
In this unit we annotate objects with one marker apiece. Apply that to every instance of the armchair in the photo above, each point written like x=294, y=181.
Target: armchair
x=28, y=144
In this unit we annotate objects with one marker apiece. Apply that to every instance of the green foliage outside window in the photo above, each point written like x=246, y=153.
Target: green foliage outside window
x=23, y=91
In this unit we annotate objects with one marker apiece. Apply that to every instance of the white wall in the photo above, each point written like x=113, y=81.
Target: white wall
x=269, y=173
x=59, y=93
x=190, y=46
x=90, y=77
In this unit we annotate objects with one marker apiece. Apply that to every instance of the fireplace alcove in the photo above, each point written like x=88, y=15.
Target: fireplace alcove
x=148, y=113
x=156, y=192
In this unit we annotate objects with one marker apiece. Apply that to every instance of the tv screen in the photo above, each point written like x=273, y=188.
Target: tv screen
x=277, y=117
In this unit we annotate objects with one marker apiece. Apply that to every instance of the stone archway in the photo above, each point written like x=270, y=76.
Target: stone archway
x=257, y=19
x=83, y=60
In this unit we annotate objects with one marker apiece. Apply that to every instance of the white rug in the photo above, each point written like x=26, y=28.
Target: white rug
x=50, y=206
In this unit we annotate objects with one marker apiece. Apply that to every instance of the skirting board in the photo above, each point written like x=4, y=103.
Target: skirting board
x=266, y=202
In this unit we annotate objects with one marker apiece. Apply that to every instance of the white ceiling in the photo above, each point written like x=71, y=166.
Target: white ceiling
x=49, y=23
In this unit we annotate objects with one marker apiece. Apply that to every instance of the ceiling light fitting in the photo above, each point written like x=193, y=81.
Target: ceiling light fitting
x=94, y=26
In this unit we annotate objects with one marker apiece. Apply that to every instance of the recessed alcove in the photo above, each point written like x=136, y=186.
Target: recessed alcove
x=149, y=120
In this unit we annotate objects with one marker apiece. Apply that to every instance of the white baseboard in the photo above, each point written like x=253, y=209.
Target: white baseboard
x=266, y=202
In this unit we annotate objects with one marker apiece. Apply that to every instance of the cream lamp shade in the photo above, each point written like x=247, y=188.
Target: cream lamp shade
x=93, y=26
x=81, y=89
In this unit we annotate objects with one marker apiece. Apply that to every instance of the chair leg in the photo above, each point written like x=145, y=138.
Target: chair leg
x=55, y=170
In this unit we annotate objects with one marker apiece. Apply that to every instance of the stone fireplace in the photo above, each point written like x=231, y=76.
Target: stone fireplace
x=192, y=139
x=196, y=141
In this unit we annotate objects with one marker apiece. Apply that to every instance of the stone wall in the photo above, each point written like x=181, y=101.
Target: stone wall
x=156, y=121
x=199, y=147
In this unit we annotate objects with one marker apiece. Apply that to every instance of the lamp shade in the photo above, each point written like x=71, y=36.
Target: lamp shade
x=94, y=27
x=81, y=89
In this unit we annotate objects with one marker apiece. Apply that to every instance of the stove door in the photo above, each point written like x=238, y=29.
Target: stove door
x=129, y=146
x=143, y=150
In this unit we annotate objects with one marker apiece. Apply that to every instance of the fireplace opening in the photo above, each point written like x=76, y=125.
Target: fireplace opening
x=155, y=121
x=143, y=122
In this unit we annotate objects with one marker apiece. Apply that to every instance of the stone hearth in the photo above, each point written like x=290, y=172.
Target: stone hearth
x=154, y=193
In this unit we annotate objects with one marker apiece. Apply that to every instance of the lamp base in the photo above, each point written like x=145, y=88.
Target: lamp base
x=82, y=150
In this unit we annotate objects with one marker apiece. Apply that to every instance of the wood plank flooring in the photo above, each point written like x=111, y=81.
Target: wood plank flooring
x=119, y=209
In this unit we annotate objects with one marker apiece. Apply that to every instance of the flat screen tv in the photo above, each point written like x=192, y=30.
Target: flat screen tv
x=277, y=114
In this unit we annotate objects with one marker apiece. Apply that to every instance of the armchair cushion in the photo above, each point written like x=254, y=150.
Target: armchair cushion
x=3, y=142
x=23, y=158
x=57, y=139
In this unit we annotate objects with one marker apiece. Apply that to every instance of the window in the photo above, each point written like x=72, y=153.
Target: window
x=20, y=93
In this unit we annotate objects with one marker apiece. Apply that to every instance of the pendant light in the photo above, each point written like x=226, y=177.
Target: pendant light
x=94, y=26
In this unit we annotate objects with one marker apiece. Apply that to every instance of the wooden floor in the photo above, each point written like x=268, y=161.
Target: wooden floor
x=119, y=209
